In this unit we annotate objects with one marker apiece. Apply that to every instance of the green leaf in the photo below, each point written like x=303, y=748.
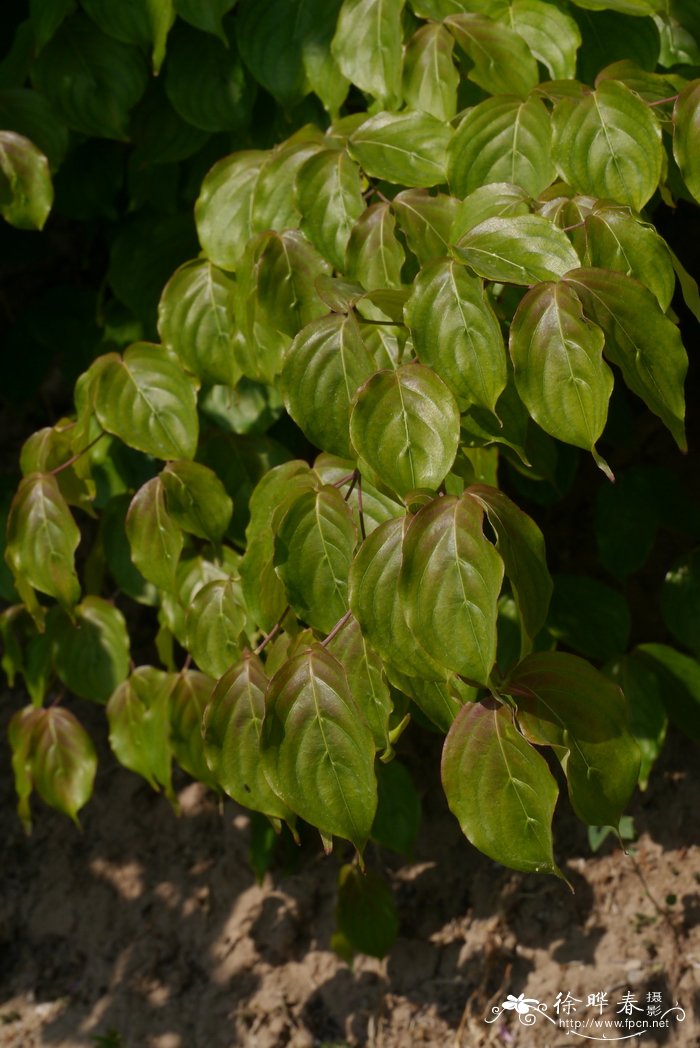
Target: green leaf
x=366, y=912
x=19, y=735
x=117, y=552
x=552, y=36
x=437, y=700
x=484, y=758
x=274, y=199
x=426, y=221
x=455, y=331
x=626, y=521
x=232, y=732
x=155, y=539
x=609, y=36
x=197, y=500
x=616, y=240
x=376, y=506
x=206, y=83
x=449, y=584
x=364, y=671
x=196, y=322
x=430, y=77
x=42, y=538
x=215, y=621
x=503, y=64
x=520, y=544
x=139, y=725
x=589, y=617
x=608, y=145
x=91, y=654
x=368, y=46
x=46, y=16
x=404, y=427
x=329, y=196
x=560, y=373
x=223, y=211
x=644, y=343
x=374, y=581
x=206, y=15
x=62, y=760
x=266, y=40
x=91, y=78
x=188, y=700
x=680, y=601
x=495, y=200
x=317, y=749
x=315, y=26
x=625, y=7
x=408, y=148
x=313, y=550
x=686, y=135
x=525, y=249
x=502, y=140
x=30, y=114
x=565, y=703
x=323, y=368
x=648, y=720
x=146, y=400
x=398, y=817
x=679, y=681
x=26, y=190
x=374, y=255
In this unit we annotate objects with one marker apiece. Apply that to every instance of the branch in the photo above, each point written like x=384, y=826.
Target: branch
x=74, y=458
x=273, y=632
x=336, y=629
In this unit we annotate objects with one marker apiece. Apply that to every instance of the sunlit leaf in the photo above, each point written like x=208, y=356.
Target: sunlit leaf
x=26, y=190
x=408, y=148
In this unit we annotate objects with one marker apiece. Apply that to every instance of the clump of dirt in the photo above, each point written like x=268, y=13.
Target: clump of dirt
x=146, y=930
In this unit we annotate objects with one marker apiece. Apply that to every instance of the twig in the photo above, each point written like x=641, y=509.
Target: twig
x=336, y=629
x=662, y=101
x=353, y=482
x=359, y=506
x=273, y=632
x=74, y=458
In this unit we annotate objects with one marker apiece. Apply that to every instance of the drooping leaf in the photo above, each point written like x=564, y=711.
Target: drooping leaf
x=404, y=427
x=26, y=190
x=558, y=364
x=616, y=240
x=313, y=550
x=374, y=254
x=484, y=758
x=645, y=344
x=449, y=584
x=139, y=725
x=146, y=400
x=565, y=703
x=317, y=749
x=223, y=209
x=552, y=36
x=364, y=671
x=366, y=912
x=502, y=139
x=503, y=64
x=408, y=148
x=430, y=77
x=686, y=135
x=608, y=145
x=215, y=621
x=367, y=46
x=197, y=500
x=155, y=538
x=91, y=654
x=188, y=700
x=323, y=368
x=329, y=195
x=455, y=331
x=525, y=249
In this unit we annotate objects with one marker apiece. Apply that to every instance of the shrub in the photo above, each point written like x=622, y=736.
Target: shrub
x=430, y=292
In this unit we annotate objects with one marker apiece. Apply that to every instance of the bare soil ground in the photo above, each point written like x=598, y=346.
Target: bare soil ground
x=146, y=930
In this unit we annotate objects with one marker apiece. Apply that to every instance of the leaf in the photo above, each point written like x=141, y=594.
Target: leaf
x=626, y=7
x=525, y=249
x=206, y=15
x=686, y=135
x=374, y=255
x=408, y=148
x=680, y=601
x=398, y=817
x=46, y=17
x=146, y=400
x=26, y=190
x=215, y=621
x=42, y=538
x=589, y=617
x=565, y=703
x=404, y=427
x=19, y=735
x=315, y=25
x=62, y=760
x=232, y=732
x=188, y=700
x=274, y=199
x=317, y=750
x=608, y=145
x=559, y=370
x=367, y=46
x=366, y=911
x=313, y=550
x=139, y=725
x=449, y=585
x=376, y=506
x=648, y=720
x=270, y=49
x=117, y=553
x=197, y=500
x=644, y=343
x=196, y=322
x=455, y=331
x=502, y=139
x=520, y=544
x=503, y=64
x=552, y=36
x=374, y=581
x=484, y=751
x=155, y=539
x=616, y=240
x=437, y=700
x=626, y=522
x=329, y=196
x=679, y=681
x=495, y=200
x=92, y=79
x=323, y=368
x=223, y=211
x=364, y=672
x=430, y=77
x=426, y=221
x=30, y=114
x=91, y=655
